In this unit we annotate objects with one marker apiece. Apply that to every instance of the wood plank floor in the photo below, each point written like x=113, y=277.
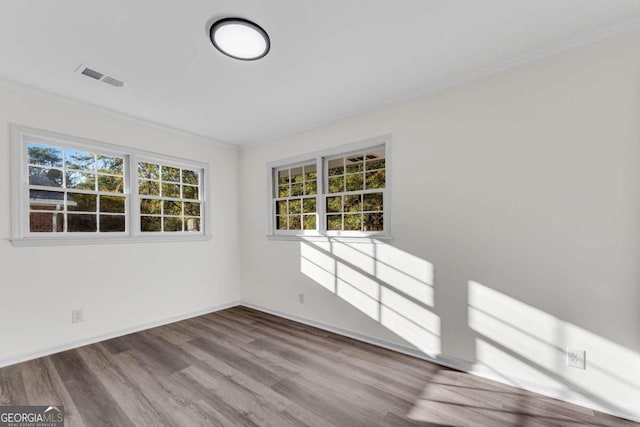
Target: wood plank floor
x=241, y=367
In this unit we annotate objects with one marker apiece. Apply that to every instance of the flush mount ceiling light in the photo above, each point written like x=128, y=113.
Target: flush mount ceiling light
x=240, y=39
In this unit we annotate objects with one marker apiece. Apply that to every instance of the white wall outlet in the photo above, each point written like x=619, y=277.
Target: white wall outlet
x=576, y=358
x=77, y=316
x=301, y=298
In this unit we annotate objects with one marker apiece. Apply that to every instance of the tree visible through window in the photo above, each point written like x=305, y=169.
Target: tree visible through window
x=355, y=196
x=74, y=191
x=71, y=189
x=295, y=201
x=169, y=198
x=337, y=193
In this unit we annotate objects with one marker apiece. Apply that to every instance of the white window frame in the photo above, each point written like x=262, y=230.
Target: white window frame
x=320, y=158
x=175, y=163
x=20, y=234
x=318, y=198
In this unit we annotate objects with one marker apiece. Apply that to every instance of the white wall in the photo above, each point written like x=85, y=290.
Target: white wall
x=119, y=287
x=515, y=224
x=521, y=191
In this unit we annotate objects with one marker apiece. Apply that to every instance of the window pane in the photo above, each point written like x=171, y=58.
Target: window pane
x=45, y=177
x=355, y=164
x=170, y=174
x=311, y=187
x=148, y=206
x=44, y=222
x=310, y=173
x=111, y=204
x=82, y=202
x=192, y=209
x=172, y=224
x=148, y=170
x=283, y=191
x=190, y=177
x=309, y=222
x=336, y=184
x=295, y=222
x=172, y=208
x=355, y=182
x=281, y=222
x=110, y=184
x=377, y=162
x=149, y=188
x=112, y=165
x=150, y=223
x=46, y=200
x=189, y=192
x=283, y=177
x=44, y=155
x=334, y=204
x=112, y=223
x=82, y=223
x=375, y=179
x=295, y=206
x=297, y=189
x=296, y=175
x=353, y=203
x=309, y=205
x=336, y=167
x=281, y=207
x=192, y=224
x=353, y=222
x=373, y=202
x=80, y=160
x=373, y=222
x=81, y=181
x=334, y=222
x=170, y=190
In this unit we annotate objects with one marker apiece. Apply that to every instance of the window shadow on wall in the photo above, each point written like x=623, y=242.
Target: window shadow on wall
x=391, y=286
x=527, y=347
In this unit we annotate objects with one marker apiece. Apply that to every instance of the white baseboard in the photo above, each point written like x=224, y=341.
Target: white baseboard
x=563, y=394
x=581, y=399
x=114, y=334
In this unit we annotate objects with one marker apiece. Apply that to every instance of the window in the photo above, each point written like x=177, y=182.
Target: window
x=296, y=198
x=169, y=198
x=339, y=192
x=355, y=196
x=69, y=189
x=72, y=191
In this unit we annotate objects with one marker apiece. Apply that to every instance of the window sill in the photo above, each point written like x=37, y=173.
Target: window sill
x=326, y=238
x=75, y=241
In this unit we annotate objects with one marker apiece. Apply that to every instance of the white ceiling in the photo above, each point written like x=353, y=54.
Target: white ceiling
x=329, y=58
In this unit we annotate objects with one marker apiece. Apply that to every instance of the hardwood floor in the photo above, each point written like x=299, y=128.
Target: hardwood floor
x=241, y=367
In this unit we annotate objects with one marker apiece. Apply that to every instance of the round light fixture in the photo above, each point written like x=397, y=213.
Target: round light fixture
x=240, y=39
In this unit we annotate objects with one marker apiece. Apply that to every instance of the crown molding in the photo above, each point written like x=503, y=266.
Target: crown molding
x=439, y=86
x=114, y=113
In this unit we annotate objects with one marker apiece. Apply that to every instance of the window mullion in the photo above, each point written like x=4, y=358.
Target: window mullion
x=133, y=201
x=321, y=208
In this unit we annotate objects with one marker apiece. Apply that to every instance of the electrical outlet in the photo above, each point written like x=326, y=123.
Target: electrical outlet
x=77, y=316
x=576, y=358
x=301, y=298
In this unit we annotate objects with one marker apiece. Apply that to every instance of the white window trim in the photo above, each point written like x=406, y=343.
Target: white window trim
x=320, y=157
x=20, y=200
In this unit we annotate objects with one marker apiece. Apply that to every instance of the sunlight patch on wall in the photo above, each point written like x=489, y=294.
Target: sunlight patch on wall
x=390, y=286
x=516, y=338
x=411, y=321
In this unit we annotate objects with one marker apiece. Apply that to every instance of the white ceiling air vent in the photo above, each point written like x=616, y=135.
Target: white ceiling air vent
x=113, y=81
x=98, y=75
